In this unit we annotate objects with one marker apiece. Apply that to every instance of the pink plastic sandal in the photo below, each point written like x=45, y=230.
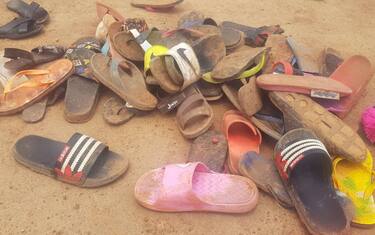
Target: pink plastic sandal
x=193, y=187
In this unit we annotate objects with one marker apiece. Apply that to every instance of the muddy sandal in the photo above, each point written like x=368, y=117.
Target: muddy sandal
x=280, y=51
x=306, y=60
x=22, y=59
x=32, y=10
x=115, y=112
x=20, y=28
x=194, y=116
x=330, y=59
x=210, y=149
x=153, y=5
x=102, y=10
x=125, y=79
x=250, y=98
x=29, y=86
x=264, y=174
x=82, y=161
x=305, y=167
x=337, y=136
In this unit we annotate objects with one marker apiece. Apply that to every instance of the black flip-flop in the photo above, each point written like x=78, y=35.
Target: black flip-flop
x=305, y=167
x=20, y=28
x=82, y=161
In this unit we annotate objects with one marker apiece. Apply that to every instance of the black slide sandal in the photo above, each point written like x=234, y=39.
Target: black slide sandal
x=305, y=168
x=82, y=161
x=20, y=28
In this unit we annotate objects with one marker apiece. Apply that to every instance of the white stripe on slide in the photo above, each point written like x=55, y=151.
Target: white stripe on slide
x=88, y=155
x=298, y=143
x=294, y=156
x=72, y=151
x=298, y=148
x=80, y=153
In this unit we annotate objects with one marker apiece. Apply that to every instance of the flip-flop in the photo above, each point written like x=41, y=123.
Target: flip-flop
x=315, y=86
x=194, y=116
x=20, y=28
x=242, y=137
x=155, y=4
x=232, y=37
x=210, y=149
x=115, y=112
x=280, y=51
x=30, y=86
x=36, y=111
x=306, y=59
x=103, y=26
x=32, y=10
x=102, y=10
x=125, y=79
x=330, y=59
x=124, y=43
x=305, y=168
x=211, y=92
x=21, y=59
x=250, y=98
x=264, y=174
x=355, y=73
x=82, y=161
x=193, y=187
x=337, y=136
x=355, y=180
x=160, y=73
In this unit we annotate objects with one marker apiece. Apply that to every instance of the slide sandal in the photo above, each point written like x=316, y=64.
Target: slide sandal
x=32, y=10
x=36, y=111
x=233, y=65
x=21, y=59
x=82, y=161
x=337, y=136
x=29, y=86
x=315, y=86
x=242, y=137
x=355, y=73
x=280, y=51
x=250, y=98
x=305, y=168
x=20, y=28
x=210, y=149
x=194, y=116
x=154, y=5
x=115, y=112
x=102, y=10
x=264, y=174
x=125, y=79
x=193, y=187
x=355, y=180
x=306, y=59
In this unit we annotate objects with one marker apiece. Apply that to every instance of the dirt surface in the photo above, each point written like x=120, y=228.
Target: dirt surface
x=31, y=203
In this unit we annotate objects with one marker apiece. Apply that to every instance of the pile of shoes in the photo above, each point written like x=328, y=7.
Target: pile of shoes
x=320, y=166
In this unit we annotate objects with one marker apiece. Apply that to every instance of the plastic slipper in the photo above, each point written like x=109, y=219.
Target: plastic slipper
x=264, y=174
x=279, y=52
x=269, y=128
x=250, y=98
x=155, y=5
x=355, y=180
x=211, y=92
x=194, y=116
x=230, y=89
x=330, y=59
x=173, y=70
x=20, y=28
x=242, y=137
x=82, y=161
x=125, y=79
x=29, y=86
x=36, y=111
x=22, y=59
x=80, y=99
x=193, y=187
x=337, y=136
x=171, y=102
x=355, y=73
x=315, y=86
x=232, y=37
x=115, y=112
x=90, y=43
x=305, y=168
x=210, y=149
x=32, y=10
x=160, y=73
x=306, y=59
x=102, y=10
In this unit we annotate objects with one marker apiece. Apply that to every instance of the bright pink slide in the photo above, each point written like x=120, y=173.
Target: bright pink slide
x=193, y=187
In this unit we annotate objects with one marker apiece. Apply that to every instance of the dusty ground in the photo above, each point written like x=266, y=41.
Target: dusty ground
x=34, y=204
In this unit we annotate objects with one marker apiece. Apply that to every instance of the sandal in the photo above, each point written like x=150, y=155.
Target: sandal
x=153, y=5
x=20, y=28
x=32, y=10
x=193, y=187
x=115, y=112
x=82, y=161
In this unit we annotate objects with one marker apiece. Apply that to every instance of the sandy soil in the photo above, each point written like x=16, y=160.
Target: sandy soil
x=31, y=203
